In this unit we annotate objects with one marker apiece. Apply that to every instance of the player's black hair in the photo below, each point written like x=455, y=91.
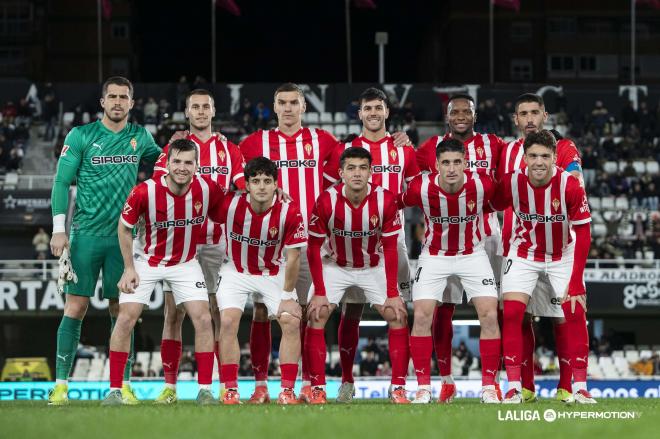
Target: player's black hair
x=543, y=137
x=289, y=86
x=449, y=145
x=529, y=97
x=455, y=97
x=373, y=94
x=258, y=166
x=555, y=133
x=182, y=145
x=354, y=152
x=117, y=80
x=199, y=92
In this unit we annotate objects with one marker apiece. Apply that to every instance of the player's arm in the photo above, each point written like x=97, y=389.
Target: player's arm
x=580, y=218
x=318, y=231
x=425, y=155
x=67, y=169
x=412, y=195
x=412, y=168
x=133, y=209
x=568, y=158
x=501, y=197
x=400, y=139
x=289, y=297
x=160, y=168
x=219, y=202
x=389, y=237
x=331, y=167
x=237, y=166
x=152, y=151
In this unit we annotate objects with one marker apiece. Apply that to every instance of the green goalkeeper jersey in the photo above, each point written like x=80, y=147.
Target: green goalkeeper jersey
x=105, y=165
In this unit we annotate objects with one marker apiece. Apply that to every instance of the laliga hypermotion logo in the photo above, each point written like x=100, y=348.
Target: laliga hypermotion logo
x=134, y=143
x=272, y=231
x=308, y=148
x=197, y=206
x=374, y=220
x=555, y=204
x=470, y=205
x=221, y=156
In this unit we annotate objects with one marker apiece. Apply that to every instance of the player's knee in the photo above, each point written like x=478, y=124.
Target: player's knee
x=202, y=321
x=229, y=323
x=260, y=313
x=422, y=321
x=113, y=307
x=289, y=324
x=76, y=308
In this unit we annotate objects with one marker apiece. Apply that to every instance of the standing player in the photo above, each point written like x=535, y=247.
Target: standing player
x=552, y=236
x=530, y=117
x=392, y=166
x=482, y=154
x=223, y=163
x=453, y=245
x=357, y=218
x=258, y=228
x=172, y=209
x=103, y=157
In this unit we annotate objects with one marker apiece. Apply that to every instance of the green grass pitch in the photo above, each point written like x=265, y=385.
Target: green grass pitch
x=465, y=418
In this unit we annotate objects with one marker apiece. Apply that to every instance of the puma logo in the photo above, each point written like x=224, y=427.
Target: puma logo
x=442, y=360
x=313, y=377
x=511, y=358
x=490, y=371
x=582, y=359
x=565, y=360
x=168, y=365
x=347, y=350
x=524, y=363
x=63, y=357
x=257, y=368
x=419, y=371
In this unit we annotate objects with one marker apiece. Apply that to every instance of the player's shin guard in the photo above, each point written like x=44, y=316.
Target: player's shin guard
x=229, y=374
x=527, y=365
x=204, y=368
x=68, y=336
x=490, y=351
x=578, y=344
x=304, y=359
x=443, y=332
x=128, y=370
x=399, y=354
x=512, y=343
x=170, y=355
x=117, y=365
x=316, y=351
x=565, y=370
x=348, y=337
x=289, y=373
x=260, y=344
x=421, y=349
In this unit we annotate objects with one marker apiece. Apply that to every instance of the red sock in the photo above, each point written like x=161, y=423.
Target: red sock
x=565, y=369
x=349, y=334
x=289, y=374
x=230, y=375
x=117, y=365
x=216, y=351
x=578, y=341
x=512, y=343
x=399, y=345
x=490, y=351
x=316, y=351
x=443, y=332
x=421, y=349
x=170, y=354
x=304, y=359
x=204, y=367
x=260, y=349
x=527, y=365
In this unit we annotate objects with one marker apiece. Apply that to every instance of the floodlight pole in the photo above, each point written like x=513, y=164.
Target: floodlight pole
x=381, y=42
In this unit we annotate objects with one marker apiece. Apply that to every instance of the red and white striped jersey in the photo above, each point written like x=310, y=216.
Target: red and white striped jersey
x=482, y=155
x=300, y=159
x=512, y=159
x=390, y=166
x=172, y=223
x=454, y=222
x=220, y=160
x=543, y=215
x=354, y=233
x=255, y=240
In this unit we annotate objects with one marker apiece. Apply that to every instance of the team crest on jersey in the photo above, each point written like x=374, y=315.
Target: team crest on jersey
x=393, y=154
x=134, y=143
x=272, y=231
x=470, y=205
x=65, y=148
x=308, y=148
x=555, y=204
x=221, y=156
x=197, y=206
x=480, y=151
x=374, y=220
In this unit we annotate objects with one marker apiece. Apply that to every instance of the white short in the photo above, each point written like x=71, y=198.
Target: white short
x=404, y=281
x=304, y=281
x=210, y=257
x=235, y=288
x=339, y=279
x=473, y=271
x=186, y=280
x=522, y=276
x=453, y=293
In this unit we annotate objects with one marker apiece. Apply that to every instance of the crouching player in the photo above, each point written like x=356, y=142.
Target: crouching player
x=357, y=218
x=552, y=236
x=453, y=203
x=171, y=210
x=258, y=228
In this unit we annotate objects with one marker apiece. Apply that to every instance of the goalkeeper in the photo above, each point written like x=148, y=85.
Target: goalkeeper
x=103, y=157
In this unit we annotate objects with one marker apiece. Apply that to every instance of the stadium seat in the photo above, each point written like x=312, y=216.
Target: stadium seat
x=645, y=353
x=340, y=130
x=178, y=116
x=621, y=203
x=596, y=217
x=640, y=166
x=610, y=167
x=312, y=126
x=632, y=356
x=96, y=369
x=99, y=115
x=183, y=376
x=326, y=117
x=312, y=117
x=354, y=129
x=474, y=375
x=607, y=203
x=626, y=230
x=340, y=117
x=328, y=127
x=143, y=358
x=153, y=129
x=106, y=369
x=617, y=354
x=652, y=167
x=595, y=203
x=67, y=118
x=629, y=347
x=82, y=369
x=85, y=118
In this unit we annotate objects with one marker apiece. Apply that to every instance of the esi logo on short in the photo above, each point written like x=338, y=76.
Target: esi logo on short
x=550, y=415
